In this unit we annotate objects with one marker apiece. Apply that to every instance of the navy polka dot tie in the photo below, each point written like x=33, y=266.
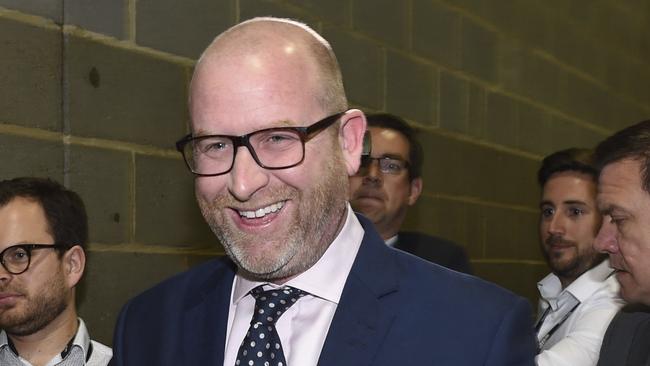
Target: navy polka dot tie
x=261, y=346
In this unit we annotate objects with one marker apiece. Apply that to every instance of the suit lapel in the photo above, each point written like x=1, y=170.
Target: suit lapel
x=362, y=318
x=206, y=319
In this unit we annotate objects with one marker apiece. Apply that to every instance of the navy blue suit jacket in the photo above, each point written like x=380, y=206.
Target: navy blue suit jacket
x=395, y=309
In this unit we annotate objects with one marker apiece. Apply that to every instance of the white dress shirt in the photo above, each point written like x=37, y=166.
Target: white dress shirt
x=304, y=326
x=76, y=356
x=576, y=341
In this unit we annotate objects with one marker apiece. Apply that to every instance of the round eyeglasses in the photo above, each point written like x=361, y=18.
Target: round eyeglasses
x=16, y=258
x=272, y=148
x=387, y=165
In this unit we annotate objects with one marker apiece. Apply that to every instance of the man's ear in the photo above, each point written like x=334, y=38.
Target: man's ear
x=74, y=263
x=353, y=126
x=416, y=190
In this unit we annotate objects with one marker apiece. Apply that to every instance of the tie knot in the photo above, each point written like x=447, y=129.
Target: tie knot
x=271, y=304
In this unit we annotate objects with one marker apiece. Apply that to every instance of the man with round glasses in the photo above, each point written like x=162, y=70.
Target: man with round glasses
x=43, y=231
x=388, y=182
x=306, y=281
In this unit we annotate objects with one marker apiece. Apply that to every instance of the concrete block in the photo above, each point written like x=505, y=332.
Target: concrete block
x=499, y=177
x=531, y=75
x=502, y=120
x=566, y=134
x=536, y=133
x=184, y=28
x=476, y=222
x=337, y=12
x=454, y=103
x=23, y=156
x=123, y=95
x=411, y=89
x=533, y=22
x=520, y=278
x=260, y=8
x=422, y=216
x=477, y=111
x=436, y=33
x=463, y=169
x=385, y=20
x=479, y=51
x=511, y=234
x=102, y=16
x=48, y=9
x=166, y=211
x=588, y=101
x=446, y=165
x=580, y=51
x=457, y=221
x=103, y=179
x=30, y=76
x=112, y=278
x=361, y=63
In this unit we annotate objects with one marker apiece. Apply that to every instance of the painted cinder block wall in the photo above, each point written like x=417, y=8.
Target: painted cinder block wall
x=93, y=94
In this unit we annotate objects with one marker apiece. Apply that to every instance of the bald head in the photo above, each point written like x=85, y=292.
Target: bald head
x=265, y=50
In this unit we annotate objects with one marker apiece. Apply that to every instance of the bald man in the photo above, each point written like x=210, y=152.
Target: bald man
x=306, y=281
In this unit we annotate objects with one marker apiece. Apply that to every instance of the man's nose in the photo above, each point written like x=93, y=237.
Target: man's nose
x=606, y=240
x=372, y=172
x=4, y=274
x=556, y=225
x=246, y=176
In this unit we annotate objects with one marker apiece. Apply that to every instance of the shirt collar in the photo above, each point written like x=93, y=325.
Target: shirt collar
x=81, y=339
x=582, y=288
x=392, y=241
x=326, y=278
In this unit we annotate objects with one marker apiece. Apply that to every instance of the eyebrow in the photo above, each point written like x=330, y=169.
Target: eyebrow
x=275, y=124
x=567, y=202
x=392, y=156
x=607, y=210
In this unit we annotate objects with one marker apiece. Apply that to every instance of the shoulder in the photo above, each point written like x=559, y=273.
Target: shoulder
x=626, y=336
x=631, y=317
x=449, y=288
x=441, y=306
x=186, y=286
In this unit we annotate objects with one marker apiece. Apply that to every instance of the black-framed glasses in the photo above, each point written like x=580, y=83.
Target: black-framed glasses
x=17, y=258
x=272, y=148
x=387, y=165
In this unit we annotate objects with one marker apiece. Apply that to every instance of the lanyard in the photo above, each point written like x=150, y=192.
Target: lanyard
x=555, y=327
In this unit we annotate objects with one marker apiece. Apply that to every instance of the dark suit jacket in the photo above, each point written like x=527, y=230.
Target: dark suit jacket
x=627, y=340
x=395, y=309
x=434, y=249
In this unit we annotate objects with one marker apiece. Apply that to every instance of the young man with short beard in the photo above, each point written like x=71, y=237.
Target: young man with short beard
x=579, y=298
x=43, y=232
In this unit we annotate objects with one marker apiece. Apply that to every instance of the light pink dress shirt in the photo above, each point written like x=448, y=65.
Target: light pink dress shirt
x=304, y=326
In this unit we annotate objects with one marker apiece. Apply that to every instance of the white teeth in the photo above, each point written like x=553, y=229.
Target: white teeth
x=261, y=212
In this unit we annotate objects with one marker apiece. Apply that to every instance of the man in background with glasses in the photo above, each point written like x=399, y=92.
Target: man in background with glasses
x=306, y=281
x=388, y=182
x=43, y=231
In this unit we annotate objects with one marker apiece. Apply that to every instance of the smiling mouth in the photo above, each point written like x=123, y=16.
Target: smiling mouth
x=261, y=212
